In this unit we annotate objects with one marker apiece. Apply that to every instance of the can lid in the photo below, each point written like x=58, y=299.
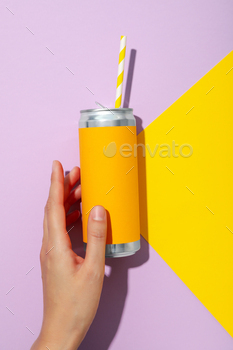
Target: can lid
x=118, y=110
x=106, y=117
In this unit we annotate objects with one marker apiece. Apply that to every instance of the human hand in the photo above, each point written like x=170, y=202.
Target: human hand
x=71, y=285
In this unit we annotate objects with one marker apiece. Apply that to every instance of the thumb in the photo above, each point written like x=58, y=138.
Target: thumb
x=96, y=237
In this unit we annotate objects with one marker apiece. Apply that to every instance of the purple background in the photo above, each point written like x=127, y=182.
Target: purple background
x=144, y=304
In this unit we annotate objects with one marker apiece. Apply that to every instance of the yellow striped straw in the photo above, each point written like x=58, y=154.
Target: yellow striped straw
x=120, y=72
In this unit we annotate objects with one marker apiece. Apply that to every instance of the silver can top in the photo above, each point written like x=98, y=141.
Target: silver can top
x=106, y=117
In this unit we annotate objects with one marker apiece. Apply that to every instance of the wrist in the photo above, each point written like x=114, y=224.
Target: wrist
x=53, y=341
x=42, y=344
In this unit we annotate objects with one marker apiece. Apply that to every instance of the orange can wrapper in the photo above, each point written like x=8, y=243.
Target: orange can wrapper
x=109, y=177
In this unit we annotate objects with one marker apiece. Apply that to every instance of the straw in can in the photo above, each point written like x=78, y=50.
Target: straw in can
x=120, y=72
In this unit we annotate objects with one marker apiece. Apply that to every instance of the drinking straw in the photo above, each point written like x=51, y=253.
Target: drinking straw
x=120, y=72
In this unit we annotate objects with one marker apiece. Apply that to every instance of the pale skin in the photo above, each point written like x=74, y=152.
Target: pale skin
x=71, y=285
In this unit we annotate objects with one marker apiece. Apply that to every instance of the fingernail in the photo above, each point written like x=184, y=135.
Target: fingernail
x=98, y=213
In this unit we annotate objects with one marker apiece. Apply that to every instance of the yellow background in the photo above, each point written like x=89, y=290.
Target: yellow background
x=195, y=243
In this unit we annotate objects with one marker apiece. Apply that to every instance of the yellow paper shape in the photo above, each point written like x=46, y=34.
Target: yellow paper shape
x=186, y=203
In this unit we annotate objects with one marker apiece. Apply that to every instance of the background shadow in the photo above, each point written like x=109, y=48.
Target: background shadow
x=115, y=286
x=129, y=80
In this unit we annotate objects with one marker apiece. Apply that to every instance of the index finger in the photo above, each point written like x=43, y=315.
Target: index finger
x=56, y=216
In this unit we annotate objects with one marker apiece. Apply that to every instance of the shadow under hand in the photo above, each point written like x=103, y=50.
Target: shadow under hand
x=114, y=292
x=112, y=301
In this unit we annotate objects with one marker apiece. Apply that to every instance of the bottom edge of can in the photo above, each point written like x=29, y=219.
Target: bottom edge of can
x=120, y=250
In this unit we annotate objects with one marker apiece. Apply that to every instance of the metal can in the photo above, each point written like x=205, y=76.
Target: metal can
x=109, y=175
